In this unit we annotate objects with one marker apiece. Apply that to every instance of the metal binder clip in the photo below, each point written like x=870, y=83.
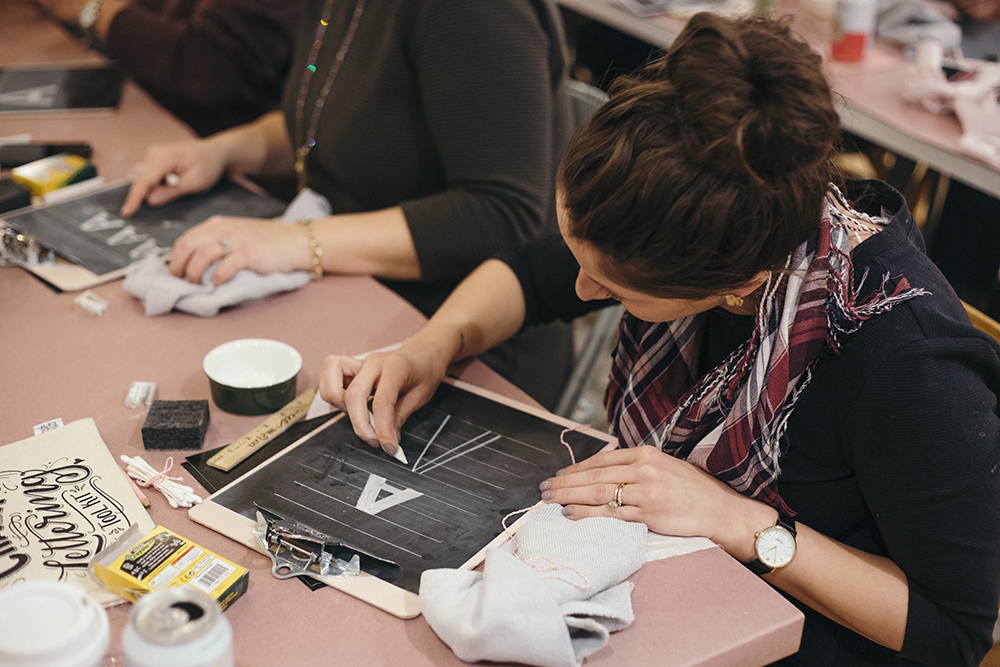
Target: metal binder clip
x=296, y=549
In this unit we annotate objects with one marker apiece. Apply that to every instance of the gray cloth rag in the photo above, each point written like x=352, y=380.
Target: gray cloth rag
x=515, y=611
x=150, y=281
x=909, y=22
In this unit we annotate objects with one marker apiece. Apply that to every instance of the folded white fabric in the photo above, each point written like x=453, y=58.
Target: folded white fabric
x=909, y=22
x=150, y=281
x=552, y=603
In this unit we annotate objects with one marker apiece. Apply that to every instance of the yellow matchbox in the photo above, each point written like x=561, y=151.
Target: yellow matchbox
x=162, y=559
x=53, y=172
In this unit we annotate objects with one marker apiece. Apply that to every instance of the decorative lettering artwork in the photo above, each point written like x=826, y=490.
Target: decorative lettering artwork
x=63, y=498
x=473, y=460
x=89, y=232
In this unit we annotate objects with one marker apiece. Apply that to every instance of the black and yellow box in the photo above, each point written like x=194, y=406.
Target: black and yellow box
x=163, y=559
x=51, y=173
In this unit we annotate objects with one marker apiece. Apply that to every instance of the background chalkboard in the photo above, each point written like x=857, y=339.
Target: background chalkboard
x=472, y=461
x=89, y=232
x=33, y=90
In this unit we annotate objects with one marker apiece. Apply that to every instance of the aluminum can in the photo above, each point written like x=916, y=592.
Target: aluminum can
x=51, y=623
x=177, y=627
x=853, y=26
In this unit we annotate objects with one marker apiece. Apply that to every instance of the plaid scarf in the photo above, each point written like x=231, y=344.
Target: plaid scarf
x=729, y=422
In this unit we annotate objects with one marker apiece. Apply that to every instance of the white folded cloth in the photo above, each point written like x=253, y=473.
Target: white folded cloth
x=909, y=22
x=150, y=281
x=553, y=602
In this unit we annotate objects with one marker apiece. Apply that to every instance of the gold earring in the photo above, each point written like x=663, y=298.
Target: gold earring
x=734, y=301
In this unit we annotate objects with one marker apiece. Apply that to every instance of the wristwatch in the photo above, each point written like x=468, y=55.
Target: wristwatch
x=88, y=14
x=774, y=547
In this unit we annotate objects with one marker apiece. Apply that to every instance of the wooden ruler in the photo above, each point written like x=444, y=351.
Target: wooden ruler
x=273, y=426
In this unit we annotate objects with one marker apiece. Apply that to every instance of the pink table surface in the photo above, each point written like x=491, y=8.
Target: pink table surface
x=57, y=361
x=28, y=39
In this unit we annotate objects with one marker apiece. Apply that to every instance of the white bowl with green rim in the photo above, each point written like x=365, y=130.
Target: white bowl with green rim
x=253, y=376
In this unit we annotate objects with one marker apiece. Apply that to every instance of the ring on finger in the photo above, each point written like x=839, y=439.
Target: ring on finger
x=227, y=245
x=617, y=501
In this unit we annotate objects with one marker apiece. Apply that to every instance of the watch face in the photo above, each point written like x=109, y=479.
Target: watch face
x=775, y=547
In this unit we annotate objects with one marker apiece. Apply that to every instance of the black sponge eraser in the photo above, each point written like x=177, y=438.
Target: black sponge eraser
x=175, y=425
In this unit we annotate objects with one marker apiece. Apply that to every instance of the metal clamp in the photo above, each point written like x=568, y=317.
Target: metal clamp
x=296, y=549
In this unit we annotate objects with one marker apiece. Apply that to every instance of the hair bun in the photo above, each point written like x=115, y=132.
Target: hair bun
x=748, y=103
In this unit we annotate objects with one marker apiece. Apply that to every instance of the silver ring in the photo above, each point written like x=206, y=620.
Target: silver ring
x=227, y=245
x=617, y=502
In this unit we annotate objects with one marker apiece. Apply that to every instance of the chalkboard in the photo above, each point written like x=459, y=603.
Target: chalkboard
x=89, y=232
x=34, y=90
x=213, y=479
x=474, y=458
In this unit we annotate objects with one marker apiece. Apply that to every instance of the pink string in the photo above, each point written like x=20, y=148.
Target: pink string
x=552, y=565
x=562, y=438
x=159, y=477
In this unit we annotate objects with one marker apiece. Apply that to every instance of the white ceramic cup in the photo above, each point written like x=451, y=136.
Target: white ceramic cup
x=51, y=624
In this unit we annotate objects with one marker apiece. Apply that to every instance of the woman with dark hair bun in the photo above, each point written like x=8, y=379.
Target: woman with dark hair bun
x=811, y=393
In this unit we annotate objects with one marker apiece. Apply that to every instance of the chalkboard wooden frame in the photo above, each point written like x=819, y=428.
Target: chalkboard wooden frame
x=431, y=513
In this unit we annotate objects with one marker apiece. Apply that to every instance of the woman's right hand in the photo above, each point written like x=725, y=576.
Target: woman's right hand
x=175, y=169
x=401, y=381
x=486, y=309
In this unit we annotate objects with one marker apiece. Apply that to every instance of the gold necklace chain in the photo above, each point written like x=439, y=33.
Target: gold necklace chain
x=306, y=138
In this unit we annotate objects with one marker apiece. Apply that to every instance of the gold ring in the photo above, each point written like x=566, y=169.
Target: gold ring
x=617, y=501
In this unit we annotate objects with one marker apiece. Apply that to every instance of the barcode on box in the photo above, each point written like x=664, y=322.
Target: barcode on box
x=212, y=576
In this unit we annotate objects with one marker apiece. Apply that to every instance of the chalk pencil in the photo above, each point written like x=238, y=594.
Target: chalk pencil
x=138, y=492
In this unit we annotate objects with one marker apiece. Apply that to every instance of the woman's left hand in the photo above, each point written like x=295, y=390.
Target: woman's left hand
x=669, y=495
x=264, y=246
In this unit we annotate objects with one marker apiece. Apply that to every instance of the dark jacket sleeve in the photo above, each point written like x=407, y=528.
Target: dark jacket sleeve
x=547, y=271
x=495, y=139
x=933, y=487
x=213, y=63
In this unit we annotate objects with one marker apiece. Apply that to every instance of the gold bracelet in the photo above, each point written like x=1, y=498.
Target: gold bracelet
x=316, y=270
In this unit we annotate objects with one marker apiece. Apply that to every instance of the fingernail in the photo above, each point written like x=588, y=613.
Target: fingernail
x=560, y=473
x=373, y=442
x=567, y=511
x=544, y=486
x=342, y=407
x=548, y=495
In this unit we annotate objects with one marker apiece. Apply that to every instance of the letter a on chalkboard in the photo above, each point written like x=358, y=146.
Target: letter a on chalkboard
x=369, y=501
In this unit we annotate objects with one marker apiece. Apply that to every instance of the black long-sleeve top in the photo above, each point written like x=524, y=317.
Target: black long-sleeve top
x=214, y=64
x=454, y=110
x=893, y=448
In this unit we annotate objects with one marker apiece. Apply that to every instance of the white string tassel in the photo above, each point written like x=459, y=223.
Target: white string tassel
x=178, y=495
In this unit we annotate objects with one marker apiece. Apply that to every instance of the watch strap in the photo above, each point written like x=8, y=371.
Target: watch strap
x=757, y=567
x=786, y=522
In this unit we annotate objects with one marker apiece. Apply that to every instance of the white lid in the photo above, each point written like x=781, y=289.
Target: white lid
x=51, y=624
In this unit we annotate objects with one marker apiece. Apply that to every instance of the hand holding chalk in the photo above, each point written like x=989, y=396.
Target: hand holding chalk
x=399, y=455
